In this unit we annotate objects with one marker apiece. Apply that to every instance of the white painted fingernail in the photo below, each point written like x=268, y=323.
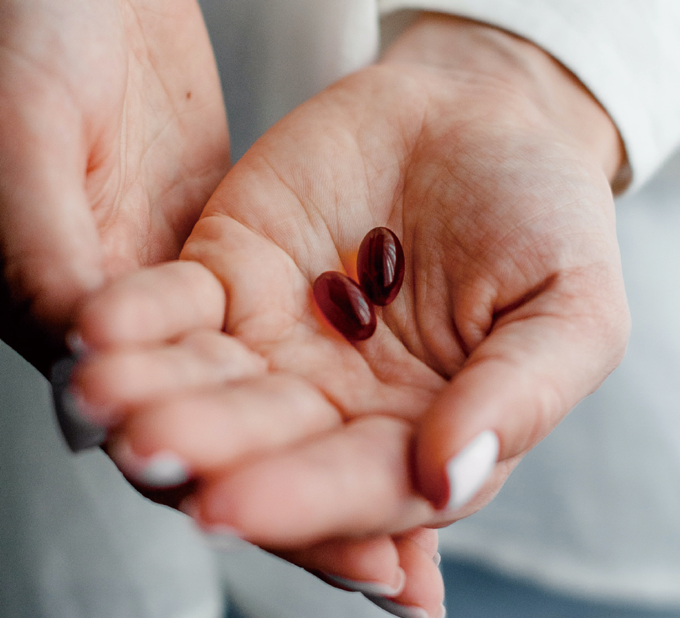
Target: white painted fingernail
x=437, y=558
x=75, y=343
x=442, y=611
x=370, y=588
x=396, y=609
x=468, y=470
x=218, y=536
x=162, y=469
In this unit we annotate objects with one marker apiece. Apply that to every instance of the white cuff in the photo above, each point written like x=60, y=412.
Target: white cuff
x=626, y=52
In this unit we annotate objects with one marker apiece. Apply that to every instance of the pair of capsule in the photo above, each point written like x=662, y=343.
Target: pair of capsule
x=380, y=269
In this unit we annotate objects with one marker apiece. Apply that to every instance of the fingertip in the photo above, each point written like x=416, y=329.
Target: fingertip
x=401, y=610
x=450, y=481
x=370, y=587
x=92, y=390
x=367, y=565
x=153, y=304
x=493, y=411
x=430, y=472
x=467, y=471
x=423, y=591
x=76, y=344
x=104, y=320
x=458, y=443
x=161, y=468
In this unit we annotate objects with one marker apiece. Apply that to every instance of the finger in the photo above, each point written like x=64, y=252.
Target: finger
x=423, y=592
x=360, y=565
x=152, y=305
x=48, y=235
x=268, y=295
x=215, y=428
x=426, y=538
x=352, y=481
x=397, y=573
x=516, y=386
x=106, y=383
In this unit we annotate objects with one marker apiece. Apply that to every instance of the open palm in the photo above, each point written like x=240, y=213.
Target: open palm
x=113, y=136
x=512, y=310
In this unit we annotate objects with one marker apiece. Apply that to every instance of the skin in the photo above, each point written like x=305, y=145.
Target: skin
x=113, y=137
x=493, y=165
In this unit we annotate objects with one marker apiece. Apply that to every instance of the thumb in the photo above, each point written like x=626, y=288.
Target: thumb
x=513, y=390
x=49, y=240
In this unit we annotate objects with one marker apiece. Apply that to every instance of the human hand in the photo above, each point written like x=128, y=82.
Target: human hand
x=222, y=372
x=494, y=174
x=112, y=137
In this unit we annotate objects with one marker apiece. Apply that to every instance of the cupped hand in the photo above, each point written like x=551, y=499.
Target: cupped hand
x=112, y=138
x=494, y=173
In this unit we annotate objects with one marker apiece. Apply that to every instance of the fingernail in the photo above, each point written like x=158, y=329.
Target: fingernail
x=75, y=343
x=371, y=588
x=91, y=413
x=437, y=558
x=217, y=536
x=403, y=611
x=468, y=470
x=442, y=611
x=79, y=432
x=162, y=469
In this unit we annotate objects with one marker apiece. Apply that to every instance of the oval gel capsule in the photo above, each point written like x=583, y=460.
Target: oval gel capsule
x=381, y=266
x=345, y=305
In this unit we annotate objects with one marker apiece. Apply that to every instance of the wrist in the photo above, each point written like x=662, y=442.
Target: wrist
x=475, y=52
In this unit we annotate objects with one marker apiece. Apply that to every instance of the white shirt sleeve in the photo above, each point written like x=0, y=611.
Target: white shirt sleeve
x=626, y=52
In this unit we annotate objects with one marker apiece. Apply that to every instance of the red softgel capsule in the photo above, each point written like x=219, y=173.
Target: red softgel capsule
x=345, y=305
x=380, y=265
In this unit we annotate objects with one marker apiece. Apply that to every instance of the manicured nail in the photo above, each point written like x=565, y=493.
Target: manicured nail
x=79, y=432
x=402, y=611
x=217, y=536
x=162, y=469
x=437, y=558
x=442, y=611
x=75, y=343
x=370, y=588
x=468, y=470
